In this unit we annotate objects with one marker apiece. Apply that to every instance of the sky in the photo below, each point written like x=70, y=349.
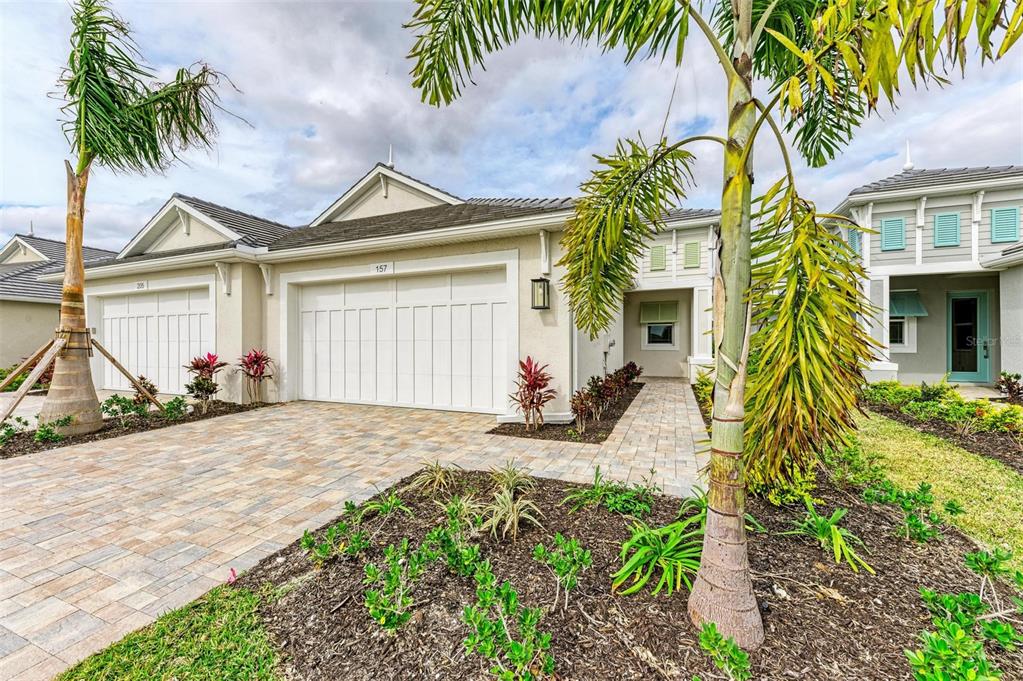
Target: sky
x=318, y=91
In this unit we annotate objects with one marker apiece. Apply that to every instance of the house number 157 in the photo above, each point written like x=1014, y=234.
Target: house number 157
x=381, y=268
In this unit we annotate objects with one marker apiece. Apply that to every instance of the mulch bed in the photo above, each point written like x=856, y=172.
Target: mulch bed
x=22, y=443
x=1000, y=446
x=822, y=620
x=596, y=432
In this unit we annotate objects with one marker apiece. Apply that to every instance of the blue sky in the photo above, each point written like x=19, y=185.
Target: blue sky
x=324, y=88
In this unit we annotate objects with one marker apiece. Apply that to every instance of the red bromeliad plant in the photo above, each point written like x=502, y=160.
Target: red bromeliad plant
x=257, y=366
x=532, y=392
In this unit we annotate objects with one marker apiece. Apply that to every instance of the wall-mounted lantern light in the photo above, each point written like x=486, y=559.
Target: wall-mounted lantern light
x=541, y=294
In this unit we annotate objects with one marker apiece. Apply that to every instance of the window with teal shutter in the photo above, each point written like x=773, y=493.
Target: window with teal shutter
x=946, y=229
x=657, y=259
x=893, y=234
x=1004, y=225
x=691, y=255
x=856, y=241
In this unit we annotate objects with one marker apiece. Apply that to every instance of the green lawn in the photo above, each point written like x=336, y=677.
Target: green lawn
x=991, y=493
x=217, y=637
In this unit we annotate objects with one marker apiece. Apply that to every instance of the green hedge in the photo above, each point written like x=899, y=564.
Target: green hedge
x=942, y=402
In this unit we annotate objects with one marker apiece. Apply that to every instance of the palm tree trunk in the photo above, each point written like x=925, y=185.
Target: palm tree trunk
x=72, y=392
x=723, y=590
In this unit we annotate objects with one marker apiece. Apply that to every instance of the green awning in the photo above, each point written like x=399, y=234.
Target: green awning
x=905, y=304
x=658, y=313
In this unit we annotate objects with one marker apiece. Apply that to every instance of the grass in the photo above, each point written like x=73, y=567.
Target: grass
x=216, y=637
x=991, y=492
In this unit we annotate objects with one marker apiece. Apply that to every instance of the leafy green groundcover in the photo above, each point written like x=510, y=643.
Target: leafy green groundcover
x=991, y=492
x=216, y=637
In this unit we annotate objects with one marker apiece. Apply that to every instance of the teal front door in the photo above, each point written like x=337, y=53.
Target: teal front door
x=969, y=348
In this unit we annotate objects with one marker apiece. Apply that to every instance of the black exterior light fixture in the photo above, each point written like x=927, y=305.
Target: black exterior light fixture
x=541, y=294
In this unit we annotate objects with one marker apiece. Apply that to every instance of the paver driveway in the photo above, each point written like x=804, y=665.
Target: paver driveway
x=96, y=540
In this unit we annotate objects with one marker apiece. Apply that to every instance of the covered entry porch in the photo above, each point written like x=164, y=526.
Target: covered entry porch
x=667, y=331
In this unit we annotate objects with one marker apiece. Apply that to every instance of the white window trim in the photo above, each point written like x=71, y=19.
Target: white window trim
x=659, y=346
x=909, y=335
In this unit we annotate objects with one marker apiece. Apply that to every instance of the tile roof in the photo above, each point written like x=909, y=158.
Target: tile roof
x=918, y=179
x=106, y=262
x=255, y=231
x=21, y=280
x=408, y=222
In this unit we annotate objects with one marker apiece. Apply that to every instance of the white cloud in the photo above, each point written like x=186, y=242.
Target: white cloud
x=325, y=87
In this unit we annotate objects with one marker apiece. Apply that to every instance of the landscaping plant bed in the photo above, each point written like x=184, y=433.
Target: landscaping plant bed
x=822, y=620
x=596, y=431
x=1000, y=446
x=24, y=443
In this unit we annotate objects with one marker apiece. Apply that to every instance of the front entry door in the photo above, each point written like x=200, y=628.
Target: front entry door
x=969, y=352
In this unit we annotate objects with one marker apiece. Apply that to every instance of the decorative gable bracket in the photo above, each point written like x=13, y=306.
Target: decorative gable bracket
x=268, y=277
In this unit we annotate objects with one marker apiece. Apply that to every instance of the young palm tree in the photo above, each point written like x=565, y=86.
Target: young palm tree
x=117, y=117
x=825, y=66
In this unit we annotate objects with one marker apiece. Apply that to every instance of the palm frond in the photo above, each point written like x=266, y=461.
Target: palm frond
x=810, y=347
x=623, y=205
x=115, y=114
x=454, y=36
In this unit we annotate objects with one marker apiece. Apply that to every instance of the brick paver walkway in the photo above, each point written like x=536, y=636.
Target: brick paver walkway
x=96, y=540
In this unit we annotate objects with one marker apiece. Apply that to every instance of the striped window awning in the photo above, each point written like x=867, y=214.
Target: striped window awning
x=906, y=304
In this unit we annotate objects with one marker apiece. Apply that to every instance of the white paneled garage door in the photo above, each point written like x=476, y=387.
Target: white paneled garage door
x=438, y=341
x=155, y=335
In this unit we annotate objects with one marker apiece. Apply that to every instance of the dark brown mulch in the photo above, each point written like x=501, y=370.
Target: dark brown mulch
x=1000, y=446
x=823, y=621
x=22, y=443
x=567, y=432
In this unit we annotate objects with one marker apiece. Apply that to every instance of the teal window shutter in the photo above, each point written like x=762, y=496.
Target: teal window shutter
x=1004, y=225
x=657, y=259
x=659, y=312
x=906, y=304
x=946, y=229
x=692, y=255
x=856, y=241
x=893, y=234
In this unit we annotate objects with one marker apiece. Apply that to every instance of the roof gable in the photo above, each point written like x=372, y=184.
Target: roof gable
x=20, y=250
x=384, y=190
x=186, y=222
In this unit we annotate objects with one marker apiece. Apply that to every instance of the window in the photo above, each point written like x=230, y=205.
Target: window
x=1004, y=225
x=855, y=240
x=657, y=322
x=657, y=259
x=660, y=334
x=897, y=331
x=691, y=255
x=893, y=234
x=946, y=230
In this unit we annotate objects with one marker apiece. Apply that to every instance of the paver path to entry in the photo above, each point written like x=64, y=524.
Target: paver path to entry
x=97, y=540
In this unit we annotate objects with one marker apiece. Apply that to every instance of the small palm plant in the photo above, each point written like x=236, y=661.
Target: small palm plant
x=673, y=551
x=119, y=117
x=826, y=530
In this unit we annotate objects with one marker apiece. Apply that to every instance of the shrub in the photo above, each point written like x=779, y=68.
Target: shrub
x=673, y=551
x=175, y=409
x=390, y=603
x=989, y=565
x=256, y=366
x=46, y=431
x=338, y=540
x=202, y=389
x=632, y=372
x=392, y=503
x=599, y=392
x=532, y=392
x=617, y=497
x=434, y=478
x=581, y=405
x=725, y=654
x=891, y=393
x=1011, y=386
x=852, y=466
x=451, y=542
x=125, y=409
x=828, y=533
x=502, y=630
x=506, y=512
x=566, y=559
x=950, y=653
x=936, y=391
x=704, y=391
x=920, y=522
x=12, y=427
x=149, y=386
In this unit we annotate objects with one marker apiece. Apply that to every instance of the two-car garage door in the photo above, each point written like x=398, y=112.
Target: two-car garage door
x=437, y=341
x=154, y=335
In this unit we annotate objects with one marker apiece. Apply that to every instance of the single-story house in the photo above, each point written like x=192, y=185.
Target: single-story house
x=399, y=293
x=29, y=308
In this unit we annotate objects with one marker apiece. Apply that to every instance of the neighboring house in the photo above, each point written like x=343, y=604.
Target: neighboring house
x=29, y=308
x=944, y=263
x=399, y=293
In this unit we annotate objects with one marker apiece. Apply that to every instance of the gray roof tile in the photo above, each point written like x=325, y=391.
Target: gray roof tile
x=922, y=178
x=22, y=280
x=255, y=231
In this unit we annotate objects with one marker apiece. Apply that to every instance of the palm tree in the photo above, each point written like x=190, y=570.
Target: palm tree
x=826, y=65
x=117, y=116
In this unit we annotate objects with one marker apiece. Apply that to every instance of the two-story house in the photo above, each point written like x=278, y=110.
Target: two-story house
x=944, y=260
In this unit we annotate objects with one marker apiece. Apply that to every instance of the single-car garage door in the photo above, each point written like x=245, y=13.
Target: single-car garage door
x=438, y=341
x=154, y=335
